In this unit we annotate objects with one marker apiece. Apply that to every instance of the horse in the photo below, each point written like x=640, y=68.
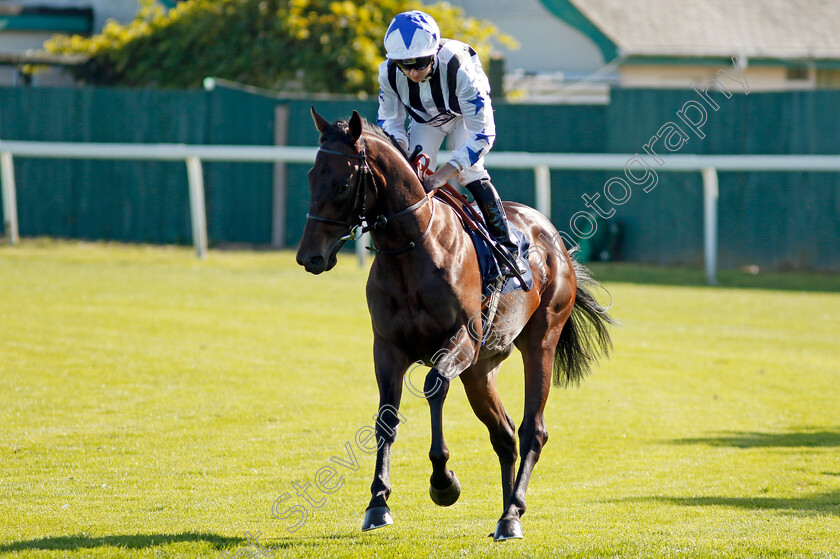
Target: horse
x=426, y=303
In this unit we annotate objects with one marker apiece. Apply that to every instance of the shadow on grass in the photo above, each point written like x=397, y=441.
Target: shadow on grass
x=820, y=504
x=803, y=439
x=309, y=541
x=136, y=541
x=695, y=277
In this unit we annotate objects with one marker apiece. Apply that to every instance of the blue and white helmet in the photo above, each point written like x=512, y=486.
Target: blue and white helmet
x=412, y=35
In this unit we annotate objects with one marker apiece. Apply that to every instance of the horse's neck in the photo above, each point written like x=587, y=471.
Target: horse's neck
x=398, y=189
x=399, y=186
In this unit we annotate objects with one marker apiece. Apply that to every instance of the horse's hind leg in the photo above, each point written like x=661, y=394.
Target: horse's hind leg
x=538, y=357
x=444, y=488
x=480, y=386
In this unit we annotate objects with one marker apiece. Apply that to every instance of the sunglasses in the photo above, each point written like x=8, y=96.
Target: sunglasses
x=414, y=63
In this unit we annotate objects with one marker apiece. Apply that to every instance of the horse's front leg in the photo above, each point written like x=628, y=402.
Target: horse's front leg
x=390, y=364
x=444, y=487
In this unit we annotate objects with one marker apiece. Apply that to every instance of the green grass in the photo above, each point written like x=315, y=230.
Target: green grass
x=156, y=406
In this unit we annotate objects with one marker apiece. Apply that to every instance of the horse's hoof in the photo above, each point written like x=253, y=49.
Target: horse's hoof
x=448, y=496
x=508, y=529
x=377, y=517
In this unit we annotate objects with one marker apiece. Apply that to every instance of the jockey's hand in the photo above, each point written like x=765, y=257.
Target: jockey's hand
x=440, y=178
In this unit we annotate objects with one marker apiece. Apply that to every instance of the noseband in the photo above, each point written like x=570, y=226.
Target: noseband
x=355, y=220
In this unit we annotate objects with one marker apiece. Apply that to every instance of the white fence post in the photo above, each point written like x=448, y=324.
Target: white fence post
x=710, y=198
x=279, y=194
x=361, y=251
x=542, y=181
x=10, y=217
x=198, y=215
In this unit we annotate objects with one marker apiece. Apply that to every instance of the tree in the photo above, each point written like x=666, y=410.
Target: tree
x=291, y=45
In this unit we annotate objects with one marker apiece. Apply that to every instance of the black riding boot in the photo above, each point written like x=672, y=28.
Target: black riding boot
x=494, y=216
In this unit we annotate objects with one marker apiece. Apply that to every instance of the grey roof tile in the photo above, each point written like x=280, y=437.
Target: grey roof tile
x=788, y=29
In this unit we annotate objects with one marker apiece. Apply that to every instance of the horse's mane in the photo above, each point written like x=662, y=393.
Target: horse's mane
x=340, y=130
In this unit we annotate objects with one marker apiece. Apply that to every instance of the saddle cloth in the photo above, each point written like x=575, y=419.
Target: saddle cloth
x=487, y=260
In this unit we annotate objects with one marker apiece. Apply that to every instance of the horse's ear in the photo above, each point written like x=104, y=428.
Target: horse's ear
x=355, y=126
x=320, y=122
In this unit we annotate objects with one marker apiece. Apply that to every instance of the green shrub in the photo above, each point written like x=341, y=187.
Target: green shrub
x=291, y=45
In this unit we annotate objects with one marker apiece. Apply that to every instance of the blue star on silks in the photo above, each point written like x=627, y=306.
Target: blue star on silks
x=482, y=136
x=474, y=156
x=478, y=102
x=407, y=26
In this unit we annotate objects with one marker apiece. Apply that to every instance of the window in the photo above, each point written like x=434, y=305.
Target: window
x=797, y=73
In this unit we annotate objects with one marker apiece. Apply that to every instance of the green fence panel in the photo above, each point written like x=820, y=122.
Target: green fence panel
x=239, y=196
x=773, y=220
x=139, y=201
x=549, y=128
x=126, y=201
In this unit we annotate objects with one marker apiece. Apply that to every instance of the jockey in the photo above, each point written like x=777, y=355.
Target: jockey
x=441, y=85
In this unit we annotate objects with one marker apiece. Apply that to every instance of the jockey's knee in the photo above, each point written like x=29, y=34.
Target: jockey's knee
x=472, y=174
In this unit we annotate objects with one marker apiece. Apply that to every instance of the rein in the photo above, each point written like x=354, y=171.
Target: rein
x=355, y=221
x=419, y=239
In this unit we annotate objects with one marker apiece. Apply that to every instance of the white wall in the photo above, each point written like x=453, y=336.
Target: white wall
x=20, y=41
x=121, y=10
x=547, y=43
x=759, y=78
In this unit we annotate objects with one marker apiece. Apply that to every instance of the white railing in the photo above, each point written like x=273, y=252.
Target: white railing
x=541, y=163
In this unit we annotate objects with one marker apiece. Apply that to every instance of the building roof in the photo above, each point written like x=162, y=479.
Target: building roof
x=792, y=30
x=45, y=18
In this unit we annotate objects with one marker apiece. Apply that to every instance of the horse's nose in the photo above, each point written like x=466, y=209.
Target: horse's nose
x=315, y=264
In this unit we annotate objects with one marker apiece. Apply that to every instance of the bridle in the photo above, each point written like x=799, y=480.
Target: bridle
x=355, y=221
x=356, y=216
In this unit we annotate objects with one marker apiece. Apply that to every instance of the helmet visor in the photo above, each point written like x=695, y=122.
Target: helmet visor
x=420, y=63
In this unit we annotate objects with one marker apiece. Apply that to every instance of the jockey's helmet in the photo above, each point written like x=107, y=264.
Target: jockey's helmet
x=412, y=35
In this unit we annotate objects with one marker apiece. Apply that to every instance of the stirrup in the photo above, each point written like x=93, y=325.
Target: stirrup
x=504, y=266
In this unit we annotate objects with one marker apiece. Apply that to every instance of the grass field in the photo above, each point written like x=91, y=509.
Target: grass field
x=156, y=406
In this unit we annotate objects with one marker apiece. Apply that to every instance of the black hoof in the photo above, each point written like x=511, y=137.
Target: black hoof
x=448, y=496
x=508, y=529
x=377, y=517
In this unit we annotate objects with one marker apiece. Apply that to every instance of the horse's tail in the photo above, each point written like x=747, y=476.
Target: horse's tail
x=585, y=336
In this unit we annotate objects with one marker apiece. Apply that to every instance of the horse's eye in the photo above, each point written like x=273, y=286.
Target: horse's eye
x=344, y=186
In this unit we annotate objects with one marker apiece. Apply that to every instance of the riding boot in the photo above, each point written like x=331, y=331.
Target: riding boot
x=494, y=216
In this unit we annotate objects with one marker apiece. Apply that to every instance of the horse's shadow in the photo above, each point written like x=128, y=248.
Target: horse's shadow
x=226, y=546
x=134, y=541
x=745, y=439
x=819, y=504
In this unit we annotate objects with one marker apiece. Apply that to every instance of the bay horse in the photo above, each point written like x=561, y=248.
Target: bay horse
x=424, y=295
